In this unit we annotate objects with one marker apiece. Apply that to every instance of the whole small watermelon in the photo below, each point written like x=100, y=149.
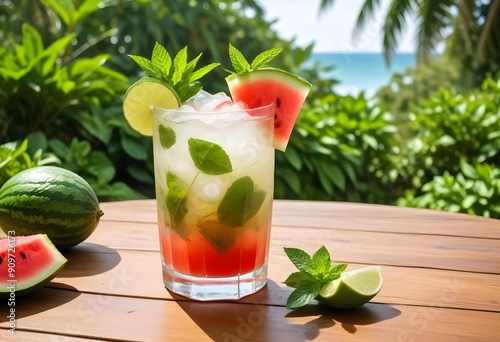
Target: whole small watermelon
x=49, y=200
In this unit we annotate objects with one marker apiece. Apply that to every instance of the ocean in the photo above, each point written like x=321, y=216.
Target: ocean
x=366, y=72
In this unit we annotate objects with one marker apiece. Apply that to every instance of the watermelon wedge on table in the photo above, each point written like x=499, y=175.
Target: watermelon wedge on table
x=270, y=85
x=27, y=263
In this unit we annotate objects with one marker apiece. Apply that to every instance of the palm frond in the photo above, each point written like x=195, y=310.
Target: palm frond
x=394, y=25
x=435, y=16
x=326, y=5
x=466, y=21
x=489, y=42
x=366, y=13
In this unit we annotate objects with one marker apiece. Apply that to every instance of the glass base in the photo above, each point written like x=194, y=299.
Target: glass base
x=205, y=289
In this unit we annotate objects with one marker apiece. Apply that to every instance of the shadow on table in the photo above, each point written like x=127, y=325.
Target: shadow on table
x=44, y=299
x=256, y=319
x=349, y=319
x=88, y=259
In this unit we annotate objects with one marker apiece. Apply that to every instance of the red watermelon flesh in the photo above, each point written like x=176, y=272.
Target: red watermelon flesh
x=269, y=85
x=27, y=263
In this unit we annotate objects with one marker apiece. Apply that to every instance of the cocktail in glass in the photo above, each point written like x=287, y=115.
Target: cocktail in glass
x=214, y=176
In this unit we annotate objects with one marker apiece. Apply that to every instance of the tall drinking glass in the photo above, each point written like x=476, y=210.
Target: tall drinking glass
x=214, y=176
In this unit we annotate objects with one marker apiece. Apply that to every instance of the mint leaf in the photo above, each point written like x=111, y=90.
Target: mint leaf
x=167, y=136
x=209, y=157
x=146, y=65
x=176, y=199
x=161, y=59
x=299, y=258
x=202, y=72
x=335, y=272
x=264, y=57
x=180, y=64
x=321, y=262
x=241, y=65
x=303, y=295
x=299, y=279
x=240, y=202
x=238, y=61
x=220, y=236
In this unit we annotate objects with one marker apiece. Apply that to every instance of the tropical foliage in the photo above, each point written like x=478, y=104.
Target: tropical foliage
x=455, y=152
x=425, y=140
x=475, y=190
x=342, y=149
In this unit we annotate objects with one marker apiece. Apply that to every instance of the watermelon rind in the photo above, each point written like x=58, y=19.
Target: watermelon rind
x=49, y=200
x=46, y=273
x=269, y=85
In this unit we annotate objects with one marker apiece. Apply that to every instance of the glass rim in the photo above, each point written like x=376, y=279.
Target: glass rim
x=262, y=108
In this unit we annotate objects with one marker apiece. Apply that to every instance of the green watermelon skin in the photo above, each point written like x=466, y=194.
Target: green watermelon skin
x=27, y=263
x=49, y=200
x=272, y=86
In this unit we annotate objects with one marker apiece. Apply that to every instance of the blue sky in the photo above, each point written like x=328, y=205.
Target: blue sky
x=332, y=31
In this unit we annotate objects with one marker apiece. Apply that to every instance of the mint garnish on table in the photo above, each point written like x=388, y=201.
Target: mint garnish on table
x=314, y=273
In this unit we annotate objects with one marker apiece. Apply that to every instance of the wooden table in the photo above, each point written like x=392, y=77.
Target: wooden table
x=441, y=272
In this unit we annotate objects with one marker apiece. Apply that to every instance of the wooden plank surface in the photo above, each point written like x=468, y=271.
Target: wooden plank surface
x=441, y=272
x=138, y=319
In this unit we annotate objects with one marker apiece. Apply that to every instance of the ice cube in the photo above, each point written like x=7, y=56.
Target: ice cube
x=206, y=102
x=212, y=190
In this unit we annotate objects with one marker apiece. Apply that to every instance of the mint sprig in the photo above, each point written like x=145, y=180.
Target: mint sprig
x=242, y=66
x=178, y=72
x=314, y=273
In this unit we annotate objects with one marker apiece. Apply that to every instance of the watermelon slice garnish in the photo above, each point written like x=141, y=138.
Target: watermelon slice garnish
x=269, y=85
x=257, y=84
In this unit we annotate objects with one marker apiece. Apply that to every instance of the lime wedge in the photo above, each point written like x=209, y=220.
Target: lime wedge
x=353, y=288
x=139, y=101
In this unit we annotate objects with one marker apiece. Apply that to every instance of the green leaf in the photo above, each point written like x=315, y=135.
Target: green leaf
x=335, y=272
x=264, y=57
x=303, y=295
x=180, y=64
x=167, y=136
x=90, y=6
x=202, y=72
x=176, y=199
x=209, y=157
x=300, y=279
x=133, y=146
x=445, y=140
x=292, y=179
x=220, y=236
x=146, y=65
x=240, y=202
x=65, y=9
x=469, y=201
x=161, y=59
x=321, y=261
x=299, y=258
x=239, y=62
x=468, y=170
x=32, y=42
